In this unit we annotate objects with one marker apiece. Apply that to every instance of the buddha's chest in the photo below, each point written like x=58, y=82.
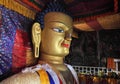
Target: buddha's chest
x=67, y=77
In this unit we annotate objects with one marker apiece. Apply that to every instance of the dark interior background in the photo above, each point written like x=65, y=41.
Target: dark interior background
x=93, y=48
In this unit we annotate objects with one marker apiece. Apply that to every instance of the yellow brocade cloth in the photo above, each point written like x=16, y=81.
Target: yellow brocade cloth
x=43, y=76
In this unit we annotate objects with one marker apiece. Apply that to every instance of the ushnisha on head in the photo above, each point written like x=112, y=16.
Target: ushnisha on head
x=50, y=7
x=55, y=37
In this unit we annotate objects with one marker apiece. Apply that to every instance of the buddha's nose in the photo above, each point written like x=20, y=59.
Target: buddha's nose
x=68, y=36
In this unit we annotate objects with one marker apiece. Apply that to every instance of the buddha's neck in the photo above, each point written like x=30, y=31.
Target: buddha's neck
x=52, y=59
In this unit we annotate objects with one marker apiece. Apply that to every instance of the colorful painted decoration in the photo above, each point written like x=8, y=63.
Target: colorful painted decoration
x=12, y=24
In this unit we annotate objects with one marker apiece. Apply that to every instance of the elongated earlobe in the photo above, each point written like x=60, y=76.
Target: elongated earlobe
x=36, y=38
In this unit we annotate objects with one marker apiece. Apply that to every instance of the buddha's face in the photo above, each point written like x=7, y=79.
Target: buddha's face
x=56, y=35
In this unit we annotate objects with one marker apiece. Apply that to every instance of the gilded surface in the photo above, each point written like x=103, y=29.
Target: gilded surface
x=55, y=41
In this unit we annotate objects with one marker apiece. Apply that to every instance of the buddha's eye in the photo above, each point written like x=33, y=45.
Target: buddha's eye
x=58, y=30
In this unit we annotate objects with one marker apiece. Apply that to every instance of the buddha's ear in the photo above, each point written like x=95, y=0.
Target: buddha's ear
x=36, y=38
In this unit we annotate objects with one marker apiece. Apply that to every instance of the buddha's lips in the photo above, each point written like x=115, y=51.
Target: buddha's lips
x=65, y=45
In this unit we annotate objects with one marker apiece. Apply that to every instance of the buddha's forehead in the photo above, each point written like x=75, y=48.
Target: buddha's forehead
x=58, y=17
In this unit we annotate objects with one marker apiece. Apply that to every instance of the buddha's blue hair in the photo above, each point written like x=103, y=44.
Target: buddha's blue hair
x=50, y=7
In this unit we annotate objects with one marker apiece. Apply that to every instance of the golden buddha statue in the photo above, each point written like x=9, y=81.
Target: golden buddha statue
x=51, y=41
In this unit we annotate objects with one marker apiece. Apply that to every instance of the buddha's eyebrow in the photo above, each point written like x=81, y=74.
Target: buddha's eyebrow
x=61, y=23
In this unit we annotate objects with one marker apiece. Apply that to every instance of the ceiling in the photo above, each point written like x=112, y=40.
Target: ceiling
x=89, y=15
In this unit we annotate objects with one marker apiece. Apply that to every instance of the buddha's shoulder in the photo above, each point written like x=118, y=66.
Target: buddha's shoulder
x=27, y=76
x=22, y=78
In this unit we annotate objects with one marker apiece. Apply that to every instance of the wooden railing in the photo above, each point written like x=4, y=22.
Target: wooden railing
x=97, y=75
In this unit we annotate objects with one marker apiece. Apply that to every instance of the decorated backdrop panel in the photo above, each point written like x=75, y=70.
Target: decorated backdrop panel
x=15, y=41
